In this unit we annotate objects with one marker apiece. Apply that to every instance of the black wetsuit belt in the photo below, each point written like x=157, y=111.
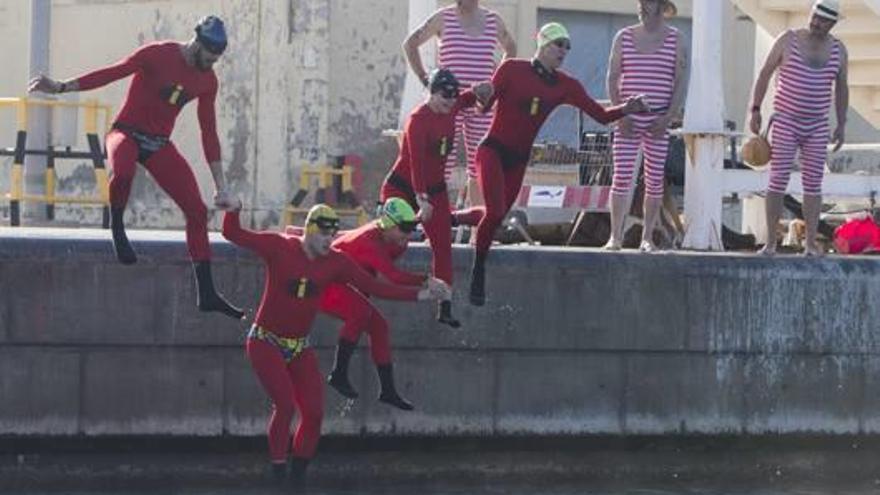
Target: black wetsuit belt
x=147, y=143
x=405, y=187
x=509, y=158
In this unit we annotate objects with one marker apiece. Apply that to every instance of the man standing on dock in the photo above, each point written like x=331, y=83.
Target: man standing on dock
x=811, y=63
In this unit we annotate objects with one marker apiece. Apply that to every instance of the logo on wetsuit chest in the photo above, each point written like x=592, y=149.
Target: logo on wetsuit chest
x=443, y=146
x=175, y=95
x=302, y=288
x=535, y=106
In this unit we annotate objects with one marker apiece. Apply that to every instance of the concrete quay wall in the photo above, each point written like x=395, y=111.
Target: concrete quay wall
x=571, y=341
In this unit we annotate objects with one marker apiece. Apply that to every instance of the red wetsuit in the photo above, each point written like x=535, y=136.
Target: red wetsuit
x=525, y=100
x=162, y=84
x=420, y=169
x=366, y=247
x=290, y=301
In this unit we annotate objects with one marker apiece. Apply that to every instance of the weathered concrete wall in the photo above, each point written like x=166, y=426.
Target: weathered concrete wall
x=87, y=35
x=273, y=107
x=571, y=341
x=15, y=23
x=367, y=67
x=303, y=80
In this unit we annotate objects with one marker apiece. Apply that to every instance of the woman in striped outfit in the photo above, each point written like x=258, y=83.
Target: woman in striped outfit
x=810, y=63
x=468, y=35
x=648, y=59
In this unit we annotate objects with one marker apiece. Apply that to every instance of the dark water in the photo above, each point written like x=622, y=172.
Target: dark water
x=685, y=467
x=452, y=488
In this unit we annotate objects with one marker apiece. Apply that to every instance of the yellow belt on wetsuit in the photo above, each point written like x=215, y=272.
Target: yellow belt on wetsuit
x=289, y=347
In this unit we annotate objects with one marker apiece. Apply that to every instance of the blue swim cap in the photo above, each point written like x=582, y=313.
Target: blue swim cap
x=211, y=33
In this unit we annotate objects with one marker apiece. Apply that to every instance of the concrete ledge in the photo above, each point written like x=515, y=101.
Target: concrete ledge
x=572, y=341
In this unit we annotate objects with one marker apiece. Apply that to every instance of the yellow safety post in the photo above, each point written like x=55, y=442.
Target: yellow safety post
x=347, y=173
x=92, y=110
x=324, y=176
x=17, y=180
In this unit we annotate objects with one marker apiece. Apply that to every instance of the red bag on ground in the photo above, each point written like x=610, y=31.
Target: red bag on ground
x=857, y=236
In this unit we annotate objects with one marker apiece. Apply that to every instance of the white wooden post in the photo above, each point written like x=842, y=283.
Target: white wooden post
x=754, y=211
x=754, y=217
x=703, y=130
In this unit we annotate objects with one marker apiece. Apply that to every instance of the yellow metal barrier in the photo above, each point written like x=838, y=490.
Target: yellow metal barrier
x=325, y=175
x=92, y=113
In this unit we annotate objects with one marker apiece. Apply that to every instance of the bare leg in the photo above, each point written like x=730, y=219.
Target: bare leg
x=812, y=207
x=671, y=210
x=774, y=211
x=474, y=194
x=474, y=197
x=652, y=210
x=619, y=209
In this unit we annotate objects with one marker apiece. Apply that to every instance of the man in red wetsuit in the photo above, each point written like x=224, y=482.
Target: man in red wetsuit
x=526, y=91
x=167, y=75
x=374, y=246
x=298, y=271
x=418, y=175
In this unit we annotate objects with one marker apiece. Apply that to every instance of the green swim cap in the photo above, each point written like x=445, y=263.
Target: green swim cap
x=550, y=33
x=397, y=212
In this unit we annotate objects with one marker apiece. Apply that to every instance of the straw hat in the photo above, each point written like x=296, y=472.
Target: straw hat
x=756, y=152
x=828, y=9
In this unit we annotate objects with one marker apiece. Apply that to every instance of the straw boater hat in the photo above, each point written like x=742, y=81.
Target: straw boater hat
x=756, y=152
x=828, y=9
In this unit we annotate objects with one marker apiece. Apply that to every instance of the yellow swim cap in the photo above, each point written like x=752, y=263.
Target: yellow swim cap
x=321, y=217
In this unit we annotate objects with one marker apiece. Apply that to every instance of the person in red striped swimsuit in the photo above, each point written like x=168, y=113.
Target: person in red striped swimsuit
x=468, y=36
x=526, y=92
x=811, y=63
x=647, y=58
x=418, y=174
x=299, y=269
x=167, y=76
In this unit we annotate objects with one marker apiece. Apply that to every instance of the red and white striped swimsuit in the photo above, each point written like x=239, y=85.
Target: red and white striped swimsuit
x=653, y=75
x=802, y=103
x=472, y=60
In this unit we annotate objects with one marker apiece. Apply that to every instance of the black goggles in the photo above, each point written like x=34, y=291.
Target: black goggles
x=449, y=93
x=563, y=43
x=212, y=46
x=407, y=227
x=326, y=225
